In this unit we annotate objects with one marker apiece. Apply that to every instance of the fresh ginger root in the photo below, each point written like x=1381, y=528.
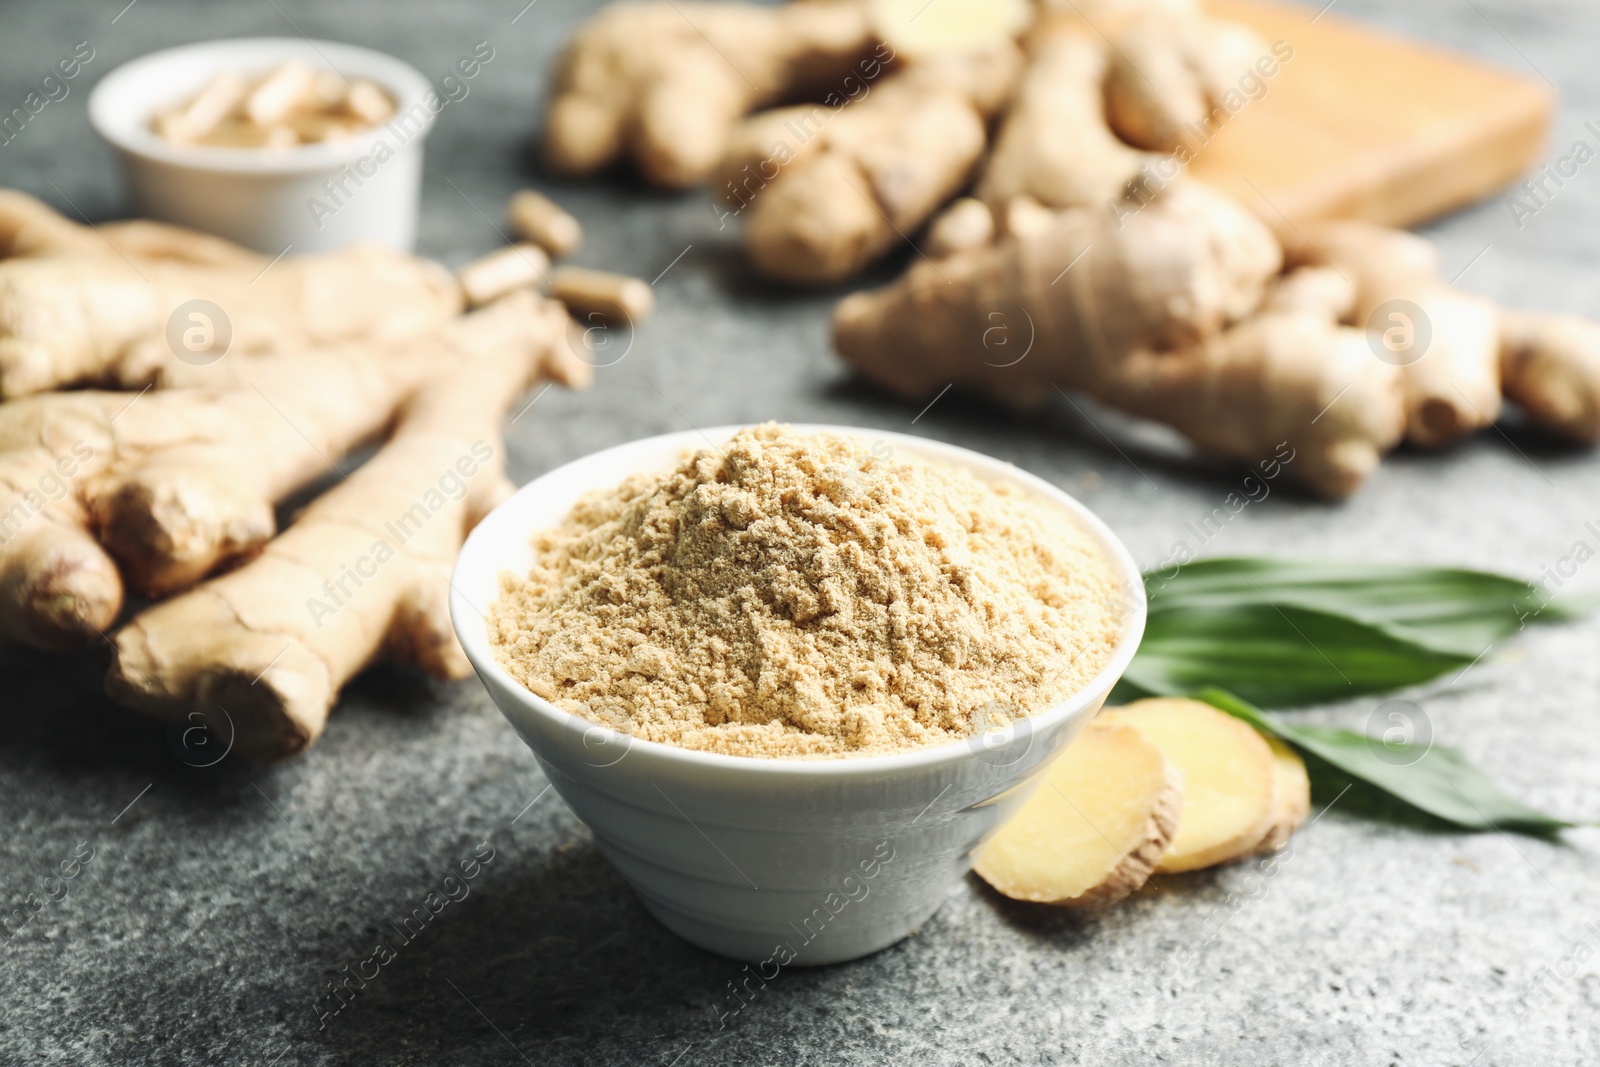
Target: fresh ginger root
x=1550, y=367
x=1054, y=144
x=78, y=308
x=1445, y=341
x=827, y=192
x=1077, y=297
x=1171, y=72
x=1230, y=791
x=1164, y=309
x=1134, y=313
x=664, y=83
x=1055, y=148
x=28, y=227
x=1094, y=829
x=174, y=484
x=1459, y=354
x=1086, y=121
x=966, y=224
x=832, y=186
x=1289, y=375
x=364, y=571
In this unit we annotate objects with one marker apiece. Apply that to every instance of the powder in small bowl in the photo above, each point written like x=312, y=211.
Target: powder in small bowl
x=800, y=595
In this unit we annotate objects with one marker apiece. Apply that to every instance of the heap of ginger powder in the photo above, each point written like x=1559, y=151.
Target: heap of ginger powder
x=797, y=595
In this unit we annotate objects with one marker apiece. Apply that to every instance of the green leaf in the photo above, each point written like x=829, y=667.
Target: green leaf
x=1434, y=779
x=1278, y=654
x=1454, y=609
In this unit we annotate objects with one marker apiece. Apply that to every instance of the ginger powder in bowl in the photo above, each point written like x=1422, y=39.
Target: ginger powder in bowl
x=808, y=595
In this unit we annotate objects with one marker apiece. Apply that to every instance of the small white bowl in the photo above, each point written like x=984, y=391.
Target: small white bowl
x=827, y=859
x=312, y=198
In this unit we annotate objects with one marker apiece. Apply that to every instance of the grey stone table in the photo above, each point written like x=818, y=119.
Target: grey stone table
x=212, y=906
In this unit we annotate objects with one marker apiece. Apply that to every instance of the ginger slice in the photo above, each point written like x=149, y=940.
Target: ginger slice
x=1294, y=796
x=1094, y=829
x=1230, y=792
x=916, y=28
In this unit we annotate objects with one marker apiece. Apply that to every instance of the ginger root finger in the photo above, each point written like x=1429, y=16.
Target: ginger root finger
x=1229, y=782
x=1454, y=389
x=1094, y=829
x=1445, y=341
x=966, y=224
x=1550, y=367
x=1061, y=307
x=29, y=227
x=364, y=570
x=879, y=169
x=58, y=588
x=1170, y=74
x=1054, y=144
x=1289, y=385
x=664, y=83
x=71, y=319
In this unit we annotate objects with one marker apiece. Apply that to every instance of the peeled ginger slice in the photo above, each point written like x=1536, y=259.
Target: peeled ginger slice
x=1229, y=779
x=1294, y=796
x=917, y=29
x=1094, y=829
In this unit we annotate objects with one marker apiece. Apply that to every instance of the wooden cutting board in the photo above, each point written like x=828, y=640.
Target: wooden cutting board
x=1360, y=124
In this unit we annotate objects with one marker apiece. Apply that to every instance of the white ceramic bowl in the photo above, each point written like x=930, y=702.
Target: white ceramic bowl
x=312, y=198
x=757, y=858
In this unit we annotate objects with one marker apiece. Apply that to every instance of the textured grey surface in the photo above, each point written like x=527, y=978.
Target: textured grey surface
x=218, y=906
